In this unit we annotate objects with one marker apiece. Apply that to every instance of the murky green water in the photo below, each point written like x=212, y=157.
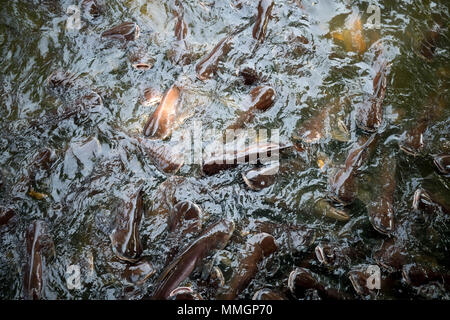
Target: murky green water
x=84, y=186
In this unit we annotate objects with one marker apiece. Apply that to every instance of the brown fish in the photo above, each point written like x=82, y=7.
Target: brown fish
x=138, y=273
x=424, y=200
x=166, y=158
x=323, y=207
x=262, y=20
x=6, y=214
x=342, y=185
x=428, y=45
x=261, y=99
x=184, y=293
x=291, y=237
x=40, y=248
x=416, y=275
x=179, y=52
x=258, y=246
x=369, y=114
x=301, y=279
x=151, y=96
x=381, y=209
x=262, y=177
x=125, y=237
x=127, y=31
x=392, y=255
x=210, y=63
x=215, y=237
x=185, y=211
x=267, y=294
x=337, y=255
x=91, y=7
x=250, y=76
x=352, y=35
x=442, y=163
x=255, y=153
x=162, y=121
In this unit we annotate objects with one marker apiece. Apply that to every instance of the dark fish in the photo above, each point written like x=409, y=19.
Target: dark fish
x=262, y=20
x=140, y=60
x=1, y=179
x=423, y=200
x=250, y=76
x=392, y=255
x=40, y=248
x=417, y=275
x=258, y=153
x=185, y=215
x=381, y=209
x=6, y=214
x=267, y=294
x=342, y=185
x=91, y=7
x=262, y=177
x=166, y=158
x=179, y=52
x=442, y=163
x=127, y=31
x=151, y=96
x=162, y=121
x=324, y=208
x=210, y=63
x=411, y=140
x=301, y=279
x=61, y=80
x=337, y=255
x=138, y=273
x=258, y=246
x=312, y=130
x=261, y=99
x=429, y=42
x=291, y=237
x=213, y=238
x=365, y=281
x=125, y=237
x=369, y=114
x=184, y=293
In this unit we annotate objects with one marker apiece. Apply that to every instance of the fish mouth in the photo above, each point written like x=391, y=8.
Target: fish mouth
x=142, y=66
x=320, y=254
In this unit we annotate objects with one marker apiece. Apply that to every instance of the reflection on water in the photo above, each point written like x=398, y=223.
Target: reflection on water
x=71, y=151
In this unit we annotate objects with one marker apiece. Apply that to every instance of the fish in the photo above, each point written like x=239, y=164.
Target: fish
x=342, y=186
x=369, y=114
x=40, y=249
x=261, y=99
x=127, y=31
x=424, y=200
x=262, y=177
x=324, y=208
x=429, y=42
x=166, y=158
x=162, y=121
x=91, y=7
x=381, y=209
x=210, y=63
x=442, y=163
x=138, y=273
x=258, y=247
x=339, y=254
x=352, y=35
x=391, y=255
x=259, y=153
x=291, y=237
x=301, y=279
x=417, y=275
x=262, y=20
x=184, y=293
x=151, y=96
x=6, y=214
x=250, y=76
x=363, y=280
x=125, y=237
x=185, y=215
x=215, y=237
x=267, y=294
x=412, y=140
